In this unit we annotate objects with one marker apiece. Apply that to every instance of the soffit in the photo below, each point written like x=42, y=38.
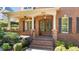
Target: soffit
x=35, y=12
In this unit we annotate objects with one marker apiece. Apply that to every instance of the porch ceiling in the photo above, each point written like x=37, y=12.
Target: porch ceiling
x=21, y=14
x=35, y=12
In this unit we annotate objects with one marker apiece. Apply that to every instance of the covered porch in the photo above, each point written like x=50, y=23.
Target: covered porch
x=33, y=22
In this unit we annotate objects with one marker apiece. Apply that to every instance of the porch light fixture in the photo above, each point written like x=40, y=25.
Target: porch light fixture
x=25, y=17
x=44, y=17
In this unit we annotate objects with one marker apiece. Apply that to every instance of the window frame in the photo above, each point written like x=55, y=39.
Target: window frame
x=26, y=28
x=13, y=26
x=65, y=25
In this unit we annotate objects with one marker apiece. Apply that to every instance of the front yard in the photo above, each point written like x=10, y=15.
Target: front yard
x=11, y=41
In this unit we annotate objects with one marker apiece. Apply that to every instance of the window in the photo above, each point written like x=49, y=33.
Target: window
x=28, y=25
x=14, y=22
x=14, y=26
x=65, y=25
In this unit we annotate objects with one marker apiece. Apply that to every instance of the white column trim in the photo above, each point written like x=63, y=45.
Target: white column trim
x=32, y=23
x=54, y=22
x=54, y=27
x=9, y=24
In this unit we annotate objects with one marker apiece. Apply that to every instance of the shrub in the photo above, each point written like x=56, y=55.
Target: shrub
x=1, y=42
x=73, y=49
x=69, y=44
x=25, y=42
x=23, y=49
x=13, y=36
x=59, y=43
x=6, y=39
x=6, y=46
x=60, y=48
x=2, y=33
x=17, y=47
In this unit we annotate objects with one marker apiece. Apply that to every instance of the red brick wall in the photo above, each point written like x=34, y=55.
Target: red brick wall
x=73, y=12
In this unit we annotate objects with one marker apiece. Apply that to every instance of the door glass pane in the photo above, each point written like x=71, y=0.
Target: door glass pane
x=27, y=26
x=45, y=25
x=42, y=25
x=30, y=24
x=48, y=25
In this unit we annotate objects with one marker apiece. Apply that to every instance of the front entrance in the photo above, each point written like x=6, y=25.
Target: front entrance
x=45, y=27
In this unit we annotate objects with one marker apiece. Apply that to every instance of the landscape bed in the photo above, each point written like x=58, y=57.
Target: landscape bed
x=65, y=46
x=11, y=41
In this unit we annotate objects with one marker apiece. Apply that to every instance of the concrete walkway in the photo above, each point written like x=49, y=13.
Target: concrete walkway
x=36, y=50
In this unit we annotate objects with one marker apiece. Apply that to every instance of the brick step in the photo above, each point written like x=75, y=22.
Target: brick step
x=42, y=42
x=43, y=38
x=42, y=47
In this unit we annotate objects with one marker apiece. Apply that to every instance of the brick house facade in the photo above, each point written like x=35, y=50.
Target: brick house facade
x=48, y=22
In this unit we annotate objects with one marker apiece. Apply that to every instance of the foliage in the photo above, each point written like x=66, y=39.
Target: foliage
x=73, y=48
x=17, y=47
x=13, y=36
x=6, y=46
x=1, y=42
x=3, y=24
x=23, y=49
x=25, y=42
x=69, y=44
x=60, y=48
x=14, y=24
x=2, y=33
x=6, y=39
x=64, y=46
x=59, y=43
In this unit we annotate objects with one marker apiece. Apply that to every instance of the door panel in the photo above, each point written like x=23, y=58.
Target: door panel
x=45, y=26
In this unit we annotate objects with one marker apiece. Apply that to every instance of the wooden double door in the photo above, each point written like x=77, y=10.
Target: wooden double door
x=45, y=27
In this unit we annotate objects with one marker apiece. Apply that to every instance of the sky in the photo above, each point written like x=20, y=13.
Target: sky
x=15, y=8
x=11, y=9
